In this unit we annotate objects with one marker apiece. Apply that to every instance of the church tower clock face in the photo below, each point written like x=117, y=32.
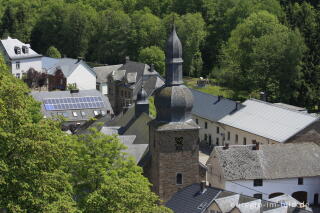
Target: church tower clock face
x=179, y=143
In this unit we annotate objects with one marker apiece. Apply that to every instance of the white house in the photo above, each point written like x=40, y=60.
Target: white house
x=65, y=71
x=267, y=171
x=20, y=57
x=224, y=121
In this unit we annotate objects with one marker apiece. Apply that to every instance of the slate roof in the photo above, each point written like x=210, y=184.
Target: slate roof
x=207, y=106
x=67, y=66
x=104, y=71
x=41, y=95
x=131, y=125
x=268, y=120
x=134, y=150
x=269, y=162
x=10, y=43
x=189, y=199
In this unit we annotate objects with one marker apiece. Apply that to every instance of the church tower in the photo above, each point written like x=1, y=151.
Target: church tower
x=174, y=136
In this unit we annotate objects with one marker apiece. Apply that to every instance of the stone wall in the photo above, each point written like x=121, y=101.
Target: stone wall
x=167, y=162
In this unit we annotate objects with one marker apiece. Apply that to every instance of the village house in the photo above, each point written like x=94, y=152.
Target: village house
x=199, y=198
x=77, y=107
x=224, y=121
x=20, y=57
x=65, y=72
x=122, y=82
x=267, y=171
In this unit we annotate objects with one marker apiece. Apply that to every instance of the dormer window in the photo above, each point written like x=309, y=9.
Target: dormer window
x=25, y=49
x=17, y=50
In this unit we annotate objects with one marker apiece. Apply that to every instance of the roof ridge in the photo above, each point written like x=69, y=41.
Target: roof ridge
x=283, y=107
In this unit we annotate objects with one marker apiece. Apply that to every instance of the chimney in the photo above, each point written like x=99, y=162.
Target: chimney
x=219, y=99
x=127, y=59
x=202, y=187
x=151, y=67
x=263, y=96
x=226, y=146
x=79, y=59
x=256, y=146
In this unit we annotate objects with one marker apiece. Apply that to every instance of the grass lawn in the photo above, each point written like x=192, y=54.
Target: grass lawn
x=210, y=89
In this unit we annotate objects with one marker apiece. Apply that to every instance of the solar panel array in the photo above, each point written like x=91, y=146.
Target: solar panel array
x=91, y=102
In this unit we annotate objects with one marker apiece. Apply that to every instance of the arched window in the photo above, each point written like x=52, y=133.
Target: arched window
x=179, y=178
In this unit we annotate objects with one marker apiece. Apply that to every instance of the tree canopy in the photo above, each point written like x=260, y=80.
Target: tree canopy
x=43, y=169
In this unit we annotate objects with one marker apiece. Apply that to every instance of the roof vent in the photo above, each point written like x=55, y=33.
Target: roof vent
x=202, y=205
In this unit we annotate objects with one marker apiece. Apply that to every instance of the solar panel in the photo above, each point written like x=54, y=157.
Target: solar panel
x=93, y=102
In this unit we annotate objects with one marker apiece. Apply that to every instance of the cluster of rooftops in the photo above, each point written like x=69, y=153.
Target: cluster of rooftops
x=199, y=198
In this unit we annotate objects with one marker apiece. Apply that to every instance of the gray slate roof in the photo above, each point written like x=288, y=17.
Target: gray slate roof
x=10, y=43
x=134, y=150
x=207, y=106
x=104, y=71
x=41, y=95
x=269, y=162
x=189, y=199
x=67, y=66
x=269, y=120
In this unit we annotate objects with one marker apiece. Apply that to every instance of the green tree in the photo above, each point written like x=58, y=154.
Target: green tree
x=306, y=18
x=192, y=33
x=147, y=30
x=223, y=16
x=110, y=43
x=157, y=7
x=153, y=55
x=33, y=154
x=78, y=29
x=263, y=55
x=53, y=52
x=106, y=180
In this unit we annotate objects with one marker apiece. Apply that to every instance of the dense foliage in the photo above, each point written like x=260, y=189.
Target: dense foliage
x=105, y=31
x=43, y=169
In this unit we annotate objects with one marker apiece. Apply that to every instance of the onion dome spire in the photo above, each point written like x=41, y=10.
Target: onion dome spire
x=174, y=59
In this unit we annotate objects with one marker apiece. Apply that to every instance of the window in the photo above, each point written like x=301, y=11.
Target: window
x=244, y=141
x=179, y=179
x=210, y=140
x=205, y=137
x=65, y=114
x=205, y=125
x=257, y=182
x=95, y=112
x=25, y=49
x=179, y=143
x=217, y=141
x=75, y=114
x=18, y=65
x=18, y=75
x=254, y=141
x=218, y=130
x=197, y=121
x=300, y=181
x=236, y=139
x=83, y=113
x=228, y=137
x=108, y=112
x=258, y=196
